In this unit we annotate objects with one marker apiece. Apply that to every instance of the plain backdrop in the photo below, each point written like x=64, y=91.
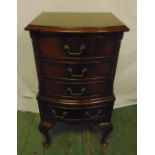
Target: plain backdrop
x=125, y=86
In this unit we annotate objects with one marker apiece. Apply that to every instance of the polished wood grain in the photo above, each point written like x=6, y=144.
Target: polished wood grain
x=76, y=71
x=76, y=57
x=52, y=113
x=77, y=22
x=44, y=128
x=93, y=47
x=72, y=103
x=76, y=90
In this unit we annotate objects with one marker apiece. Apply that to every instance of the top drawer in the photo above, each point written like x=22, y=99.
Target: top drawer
x=54, y=46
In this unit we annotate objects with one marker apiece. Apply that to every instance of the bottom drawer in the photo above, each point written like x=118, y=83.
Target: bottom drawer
x=50, y=113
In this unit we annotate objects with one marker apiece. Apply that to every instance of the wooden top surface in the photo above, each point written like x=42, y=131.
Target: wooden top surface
x=77, y=22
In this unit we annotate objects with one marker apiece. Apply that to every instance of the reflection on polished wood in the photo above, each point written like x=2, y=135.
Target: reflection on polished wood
x=76, y=57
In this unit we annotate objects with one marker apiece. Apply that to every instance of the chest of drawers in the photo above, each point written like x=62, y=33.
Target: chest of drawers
x=76, y=56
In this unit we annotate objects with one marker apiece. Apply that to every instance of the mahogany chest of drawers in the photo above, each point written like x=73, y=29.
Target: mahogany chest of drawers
x=76, y=56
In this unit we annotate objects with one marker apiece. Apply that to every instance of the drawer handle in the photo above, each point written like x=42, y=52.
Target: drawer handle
x=84, y=70
x=83, y=90
x=68, y=50
x=87, y=113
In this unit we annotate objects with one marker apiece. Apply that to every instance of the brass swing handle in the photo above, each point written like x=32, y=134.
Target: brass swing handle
x=83, y=72
x=68, y=50
x=83, y=90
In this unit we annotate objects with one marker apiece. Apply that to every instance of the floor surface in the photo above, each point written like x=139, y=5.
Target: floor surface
x=79, y=140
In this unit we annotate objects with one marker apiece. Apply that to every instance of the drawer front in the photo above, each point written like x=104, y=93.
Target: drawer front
x=75, y=70
x=51, y=46
x=76, y=90
x=50, y=112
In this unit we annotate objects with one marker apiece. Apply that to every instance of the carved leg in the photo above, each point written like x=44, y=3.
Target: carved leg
x=44, y=128
x=107, y=129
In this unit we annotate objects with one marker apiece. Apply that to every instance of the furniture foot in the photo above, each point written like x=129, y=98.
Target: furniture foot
x=44, y=128
x=107, y=129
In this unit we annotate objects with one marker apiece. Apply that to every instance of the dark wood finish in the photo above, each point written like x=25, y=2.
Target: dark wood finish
x=72, y=103
x=96, y=113
x=70, y=46
x=77, y=23
x=107, y=129
x=44, y=128
x=76, y=57
x=76, y=71
x=75, y=90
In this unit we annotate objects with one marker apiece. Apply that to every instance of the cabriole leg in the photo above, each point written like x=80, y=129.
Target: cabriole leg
x=44, y=128
x=107, y=129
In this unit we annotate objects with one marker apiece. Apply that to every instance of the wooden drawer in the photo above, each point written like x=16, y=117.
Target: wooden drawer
x=73, y=70
x=76, y=90
x=50, y=112
x=53, y=46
